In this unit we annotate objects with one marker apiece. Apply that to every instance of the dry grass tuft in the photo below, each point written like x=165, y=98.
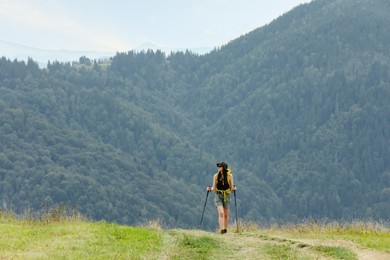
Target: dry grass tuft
x=155, y=224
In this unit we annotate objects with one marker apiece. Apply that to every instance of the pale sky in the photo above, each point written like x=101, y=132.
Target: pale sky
x=122, y=25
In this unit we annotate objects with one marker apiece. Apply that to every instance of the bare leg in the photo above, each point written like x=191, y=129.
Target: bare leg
x=221, y=217
x=226, y=217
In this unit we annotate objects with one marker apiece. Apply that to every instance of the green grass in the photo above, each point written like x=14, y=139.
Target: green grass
x=280, y=252
x=75, y=240
x=369, y=236
x=61, y=237
x=336, y=252
x=191, y=247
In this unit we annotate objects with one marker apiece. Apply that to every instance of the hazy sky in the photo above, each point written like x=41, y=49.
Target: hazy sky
x=121, y=25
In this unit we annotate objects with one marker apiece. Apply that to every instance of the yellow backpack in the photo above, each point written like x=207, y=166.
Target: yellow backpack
x=229, y=177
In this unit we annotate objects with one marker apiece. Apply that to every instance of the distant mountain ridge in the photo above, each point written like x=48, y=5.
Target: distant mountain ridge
x=42, y=56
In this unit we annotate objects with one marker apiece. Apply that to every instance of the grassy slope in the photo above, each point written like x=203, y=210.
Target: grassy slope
x=78, y=239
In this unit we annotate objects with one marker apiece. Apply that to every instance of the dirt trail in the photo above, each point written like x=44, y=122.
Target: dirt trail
x=254, y=245
x=251, y=246
x=362, y=253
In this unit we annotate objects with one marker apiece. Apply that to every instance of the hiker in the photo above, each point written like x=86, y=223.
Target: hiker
x=223, y=184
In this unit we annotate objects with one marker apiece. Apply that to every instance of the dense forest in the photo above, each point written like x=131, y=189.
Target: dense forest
x=299, y=109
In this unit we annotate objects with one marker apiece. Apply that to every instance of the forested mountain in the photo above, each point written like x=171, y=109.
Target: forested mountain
x=298, y=109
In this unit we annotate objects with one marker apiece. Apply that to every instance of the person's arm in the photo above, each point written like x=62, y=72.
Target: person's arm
x=212, y=188
x=234, y=187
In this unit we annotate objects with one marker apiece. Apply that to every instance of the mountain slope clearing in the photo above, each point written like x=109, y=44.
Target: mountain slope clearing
x=78, y=239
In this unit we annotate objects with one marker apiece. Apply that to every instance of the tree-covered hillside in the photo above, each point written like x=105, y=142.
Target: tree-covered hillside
x=298, y=108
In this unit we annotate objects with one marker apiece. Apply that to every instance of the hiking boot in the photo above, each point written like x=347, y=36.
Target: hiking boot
x=223, y=231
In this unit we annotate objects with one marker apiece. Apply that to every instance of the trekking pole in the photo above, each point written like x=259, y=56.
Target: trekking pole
x=204, y=207
x=235, y=206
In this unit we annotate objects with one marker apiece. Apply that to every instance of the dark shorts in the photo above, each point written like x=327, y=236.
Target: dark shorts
x=221, y=201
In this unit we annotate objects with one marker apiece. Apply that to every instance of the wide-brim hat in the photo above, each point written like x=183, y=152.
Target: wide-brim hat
x=223, y=164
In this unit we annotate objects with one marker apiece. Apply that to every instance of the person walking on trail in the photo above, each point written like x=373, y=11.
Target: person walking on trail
x=223, y=184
